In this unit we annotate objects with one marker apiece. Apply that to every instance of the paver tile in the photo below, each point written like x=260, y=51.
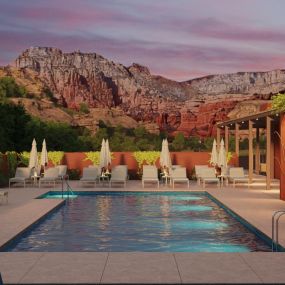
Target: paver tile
x=141, y=267
x=67, y=267
x=270, y=267
x=14, y=265
x=214, y=268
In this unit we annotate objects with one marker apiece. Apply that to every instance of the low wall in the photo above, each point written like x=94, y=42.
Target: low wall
x=76, y=160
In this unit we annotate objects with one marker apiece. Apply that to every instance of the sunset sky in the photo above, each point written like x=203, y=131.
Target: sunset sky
x=179, y=39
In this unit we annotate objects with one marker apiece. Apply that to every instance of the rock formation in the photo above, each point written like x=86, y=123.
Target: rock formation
x=191, y=107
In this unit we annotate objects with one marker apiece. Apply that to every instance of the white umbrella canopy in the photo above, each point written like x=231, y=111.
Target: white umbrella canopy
x=165, y=159
x=162, y=154
x=214, y=154
x=222, y=157
x=108, y=153
x=168, y=158
x=33, y=161
x=103, y=160
x=44, y=154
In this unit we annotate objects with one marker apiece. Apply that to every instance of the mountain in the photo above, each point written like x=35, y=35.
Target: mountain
x=192, y=107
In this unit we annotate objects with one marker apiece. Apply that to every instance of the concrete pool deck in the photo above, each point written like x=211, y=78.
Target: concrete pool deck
x=255, y=205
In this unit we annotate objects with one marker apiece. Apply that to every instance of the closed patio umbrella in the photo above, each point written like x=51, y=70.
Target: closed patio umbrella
x=165, y=159
x=108, y=153
x=33, y=162
x=44, y=154
x=214, y=154
x=222, y=157
x=103, y=160
x=162, y=154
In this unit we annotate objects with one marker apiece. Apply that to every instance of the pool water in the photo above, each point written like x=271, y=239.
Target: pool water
x=144, y=221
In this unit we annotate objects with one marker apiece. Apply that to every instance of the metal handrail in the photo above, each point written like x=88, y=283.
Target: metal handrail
x=68, y=188
x=275, y=229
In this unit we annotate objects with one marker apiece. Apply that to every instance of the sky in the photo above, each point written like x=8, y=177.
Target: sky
x=178, y=39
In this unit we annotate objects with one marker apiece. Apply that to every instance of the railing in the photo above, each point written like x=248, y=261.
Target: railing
x=275, y=229
x=68, y=188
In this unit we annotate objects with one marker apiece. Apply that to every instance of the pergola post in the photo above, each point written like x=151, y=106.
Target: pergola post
x=227, y=139
x=237, y=142
x=282, y=157
x=257, y=152
x=218, y=137
x=250, y=150
x=268, y=152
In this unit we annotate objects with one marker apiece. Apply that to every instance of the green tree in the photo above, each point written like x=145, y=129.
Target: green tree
x=278, y=102
x=140, y=132
x=13, y=120
x=178, y=142
x=9, y=88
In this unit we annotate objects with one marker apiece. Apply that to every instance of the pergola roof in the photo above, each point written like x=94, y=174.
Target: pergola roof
x=258, y=119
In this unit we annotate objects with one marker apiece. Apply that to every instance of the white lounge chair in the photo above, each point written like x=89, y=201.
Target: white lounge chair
x=23, y=175
x=179, y=175
x=50, y=176
x=150, y=174
x=236, y=174
x=198, y=170
x=62, y=169
x=119, y=175
x=208, y=175
x=89, y=175
x=4, y=195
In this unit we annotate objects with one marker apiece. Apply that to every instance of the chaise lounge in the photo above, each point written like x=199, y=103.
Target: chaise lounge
x=150, y=174
x=23, y=175
x=179, y=175
x=119, y=175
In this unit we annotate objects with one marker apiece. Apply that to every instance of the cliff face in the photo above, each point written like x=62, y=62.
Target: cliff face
x=192, y=107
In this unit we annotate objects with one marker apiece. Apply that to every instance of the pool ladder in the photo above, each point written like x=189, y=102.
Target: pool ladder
x=68, y=188
x=275, y=229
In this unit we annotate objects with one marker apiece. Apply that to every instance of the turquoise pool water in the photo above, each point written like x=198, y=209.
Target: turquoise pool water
x=139, y=221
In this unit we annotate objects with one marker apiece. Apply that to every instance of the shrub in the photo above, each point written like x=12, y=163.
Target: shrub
x=83, y=108
x=55, y=157
x=93, y=156
x=148, y=157
x=74, y=174
x=12, y=162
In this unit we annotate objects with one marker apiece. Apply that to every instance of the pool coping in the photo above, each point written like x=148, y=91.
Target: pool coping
x=21, y=228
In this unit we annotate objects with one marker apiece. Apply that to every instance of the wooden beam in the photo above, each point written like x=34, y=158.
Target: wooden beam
x=272, y=158
x=237, y=142
x=250, y=151
x=218, y=138
x=257, y=152
x=268, y=152
x=227, y=139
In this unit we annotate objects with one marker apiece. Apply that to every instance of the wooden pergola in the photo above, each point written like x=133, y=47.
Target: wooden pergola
x=272, y=124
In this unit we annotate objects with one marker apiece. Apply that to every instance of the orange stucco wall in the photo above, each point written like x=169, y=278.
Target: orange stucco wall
x=76, y=160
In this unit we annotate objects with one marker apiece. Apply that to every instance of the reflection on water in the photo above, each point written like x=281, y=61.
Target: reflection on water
x=169, y=222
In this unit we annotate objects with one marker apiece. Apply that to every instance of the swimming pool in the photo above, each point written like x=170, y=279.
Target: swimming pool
x=139, y=221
